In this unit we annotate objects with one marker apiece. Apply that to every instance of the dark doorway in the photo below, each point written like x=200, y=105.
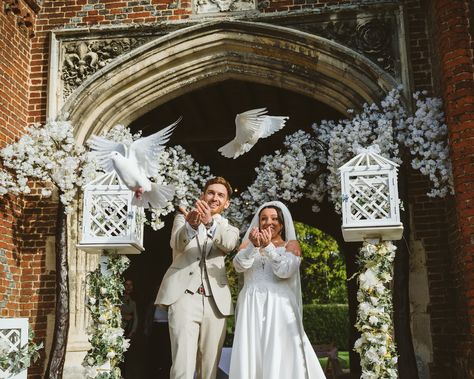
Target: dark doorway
x=208, y=123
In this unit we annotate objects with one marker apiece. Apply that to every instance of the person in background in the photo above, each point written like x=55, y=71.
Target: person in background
x=157, y=338
x=129, y=311
x=129, y=323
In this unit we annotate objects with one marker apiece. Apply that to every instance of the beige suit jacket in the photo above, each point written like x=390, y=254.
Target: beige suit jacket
x=186, y=259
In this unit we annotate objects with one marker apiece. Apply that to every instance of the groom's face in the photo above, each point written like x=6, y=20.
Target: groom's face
x=216, y=197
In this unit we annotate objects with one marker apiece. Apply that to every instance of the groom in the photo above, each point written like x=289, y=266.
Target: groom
x=195, y=287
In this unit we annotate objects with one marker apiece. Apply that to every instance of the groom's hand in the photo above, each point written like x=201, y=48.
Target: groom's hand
x=193, y=217
x=205, y=211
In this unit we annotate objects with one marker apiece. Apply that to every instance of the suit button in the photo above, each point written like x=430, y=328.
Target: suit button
x=197, y=258
x=191, y=273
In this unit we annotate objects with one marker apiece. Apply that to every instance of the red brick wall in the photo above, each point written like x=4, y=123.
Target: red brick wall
x=38, y=283
x=435, y=221
x=455, y=40
x=14, y=69
x=418, y=43
x=26, y=289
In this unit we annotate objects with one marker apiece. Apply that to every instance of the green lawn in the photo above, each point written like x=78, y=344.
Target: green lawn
x=343, y=359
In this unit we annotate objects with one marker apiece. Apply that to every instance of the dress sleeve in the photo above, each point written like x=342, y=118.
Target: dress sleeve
x=284, y=265
x=243, y=260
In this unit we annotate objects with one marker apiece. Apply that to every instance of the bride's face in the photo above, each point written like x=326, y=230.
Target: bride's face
x=269, y=219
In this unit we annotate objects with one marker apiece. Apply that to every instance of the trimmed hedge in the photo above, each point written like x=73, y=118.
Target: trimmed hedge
x=323, y=323
x=326, y=323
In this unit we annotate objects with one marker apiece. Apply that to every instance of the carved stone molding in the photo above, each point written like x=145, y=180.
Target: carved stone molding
x=80, y=59
x=216, y=6
x=373, y=35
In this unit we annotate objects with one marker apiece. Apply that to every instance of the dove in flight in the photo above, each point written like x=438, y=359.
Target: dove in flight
x=135, y=164
x=250, y=126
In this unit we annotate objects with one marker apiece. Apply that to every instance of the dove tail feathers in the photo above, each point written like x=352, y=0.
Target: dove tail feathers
x=230, y=150
x=157, y=197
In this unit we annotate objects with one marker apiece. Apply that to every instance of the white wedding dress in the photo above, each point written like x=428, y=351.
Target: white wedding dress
x=269, y=339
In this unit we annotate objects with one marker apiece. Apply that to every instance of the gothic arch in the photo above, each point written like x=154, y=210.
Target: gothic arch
x=191, y=58
x=215, y=51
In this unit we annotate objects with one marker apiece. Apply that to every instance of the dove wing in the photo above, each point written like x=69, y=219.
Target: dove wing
x=272, y=124
x=248, y=123
x=146, y=150
x=102, y=147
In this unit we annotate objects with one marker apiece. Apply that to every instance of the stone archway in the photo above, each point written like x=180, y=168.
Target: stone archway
x=194, y=57
x=199, y=55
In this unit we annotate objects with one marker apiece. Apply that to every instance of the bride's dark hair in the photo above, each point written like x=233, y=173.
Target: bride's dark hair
x=281, y=220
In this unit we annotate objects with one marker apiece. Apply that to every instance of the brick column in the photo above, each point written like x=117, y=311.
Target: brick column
x=454, y=31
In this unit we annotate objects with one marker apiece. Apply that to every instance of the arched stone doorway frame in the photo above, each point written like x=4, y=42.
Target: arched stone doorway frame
x=211, y=52
x=191, y=58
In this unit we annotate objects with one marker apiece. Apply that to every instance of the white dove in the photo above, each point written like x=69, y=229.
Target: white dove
x=250, y=126
x=135, y=164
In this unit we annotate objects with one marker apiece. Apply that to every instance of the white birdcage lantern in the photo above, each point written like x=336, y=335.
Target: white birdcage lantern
x=110, y=221
x=370, y=203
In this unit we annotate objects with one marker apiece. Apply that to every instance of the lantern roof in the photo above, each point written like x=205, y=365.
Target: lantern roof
x=106, y=179
x=368, y=158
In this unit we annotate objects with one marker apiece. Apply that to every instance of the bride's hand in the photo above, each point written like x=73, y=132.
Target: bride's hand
x=254, y=237
x=265, y=237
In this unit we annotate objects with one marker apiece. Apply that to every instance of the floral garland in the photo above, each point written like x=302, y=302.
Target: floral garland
x=12, y=362
x=105, y=289
x=374, y=316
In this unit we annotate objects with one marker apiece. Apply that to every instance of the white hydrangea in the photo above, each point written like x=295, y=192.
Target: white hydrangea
x=47, y=154
x=425, y=134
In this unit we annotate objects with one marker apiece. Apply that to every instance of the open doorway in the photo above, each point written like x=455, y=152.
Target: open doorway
x=208, y=123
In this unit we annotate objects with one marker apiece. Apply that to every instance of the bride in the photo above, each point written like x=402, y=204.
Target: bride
x=269, y=340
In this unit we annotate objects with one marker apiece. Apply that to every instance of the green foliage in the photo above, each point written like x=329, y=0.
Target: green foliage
x=229, y=337
x=342, y=356
x=233, y=277
x=15, y=361
x=327, y=323
x=105, y=289
x=323, y=271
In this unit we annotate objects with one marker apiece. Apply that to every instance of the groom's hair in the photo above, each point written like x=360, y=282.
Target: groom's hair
x=219, y=180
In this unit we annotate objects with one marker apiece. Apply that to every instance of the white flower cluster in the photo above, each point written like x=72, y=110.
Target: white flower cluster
x=374, y=125
x=46, y=154
x=185, y=174
x=279, y=176
x=425, y=134
x=105, y=288
x=374, y=318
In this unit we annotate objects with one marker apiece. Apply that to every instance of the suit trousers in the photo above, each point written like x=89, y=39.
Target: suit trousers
x=197, y=332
